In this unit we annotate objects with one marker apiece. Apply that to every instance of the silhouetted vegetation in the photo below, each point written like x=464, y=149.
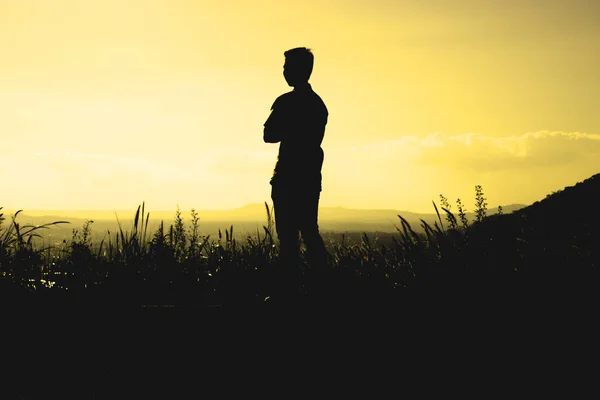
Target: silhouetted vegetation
x=550, y=247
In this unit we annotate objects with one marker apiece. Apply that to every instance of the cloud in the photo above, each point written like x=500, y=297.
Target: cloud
x=478, y=152
x=536, y=149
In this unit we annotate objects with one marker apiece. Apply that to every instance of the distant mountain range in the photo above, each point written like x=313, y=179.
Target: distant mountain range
x=246, y=218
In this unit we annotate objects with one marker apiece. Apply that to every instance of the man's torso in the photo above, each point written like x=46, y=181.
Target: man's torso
x=300, y=154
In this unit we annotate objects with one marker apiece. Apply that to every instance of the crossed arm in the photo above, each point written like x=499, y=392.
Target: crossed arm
x=283, y=125
x=274, y=127
x=272, y=134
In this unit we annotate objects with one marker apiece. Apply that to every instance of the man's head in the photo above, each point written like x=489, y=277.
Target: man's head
x=298, y=66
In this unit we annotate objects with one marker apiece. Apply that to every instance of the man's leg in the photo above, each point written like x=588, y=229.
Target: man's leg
x=286, y=226
x=285, y=288
x=315, y=247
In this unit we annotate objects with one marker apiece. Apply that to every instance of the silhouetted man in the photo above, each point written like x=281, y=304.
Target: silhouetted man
x=297, y=121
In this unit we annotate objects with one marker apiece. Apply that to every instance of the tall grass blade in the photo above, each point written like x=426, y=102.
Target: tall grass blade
x=438, y=215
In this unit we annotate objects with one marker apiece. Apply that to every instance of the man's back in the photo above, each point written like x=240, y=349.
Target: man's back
x=300, y=116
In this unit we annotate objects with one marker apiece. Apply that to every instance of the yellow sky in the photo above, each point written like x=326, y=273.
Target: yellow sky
x=108, y=103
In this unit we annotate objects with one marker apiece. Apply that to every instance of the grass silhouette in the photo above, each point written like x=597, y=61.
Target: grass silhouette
x=546, y=248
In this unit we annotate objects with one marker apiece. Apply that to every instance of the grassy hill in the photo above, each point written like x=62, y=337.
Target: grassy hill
x=560, y=230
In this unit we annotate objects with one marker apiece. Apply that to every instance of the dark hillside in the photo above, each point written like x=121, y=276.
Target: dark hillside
x=553, y=243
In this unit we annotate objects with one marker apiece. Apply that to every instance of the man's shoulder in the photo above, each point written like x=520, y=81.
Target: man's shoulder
x=294, y=99
x=283, y=98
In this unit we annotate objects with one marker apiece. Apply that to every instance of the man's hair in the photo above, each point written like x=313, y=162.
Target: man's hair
x=302, y=60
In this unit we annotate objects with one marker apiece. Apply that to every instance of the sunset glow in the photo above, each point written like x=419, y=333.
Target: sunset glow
x=108, y=103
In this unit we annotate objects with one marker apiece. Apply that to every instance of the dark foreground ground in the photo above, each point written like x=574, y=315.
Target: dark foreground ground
x=337, y=338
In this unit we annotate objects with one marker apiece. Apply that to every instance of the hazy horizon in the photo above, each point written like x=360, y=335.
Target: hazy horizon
x=105, y=104
x=251, y=213
x=253, y=207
